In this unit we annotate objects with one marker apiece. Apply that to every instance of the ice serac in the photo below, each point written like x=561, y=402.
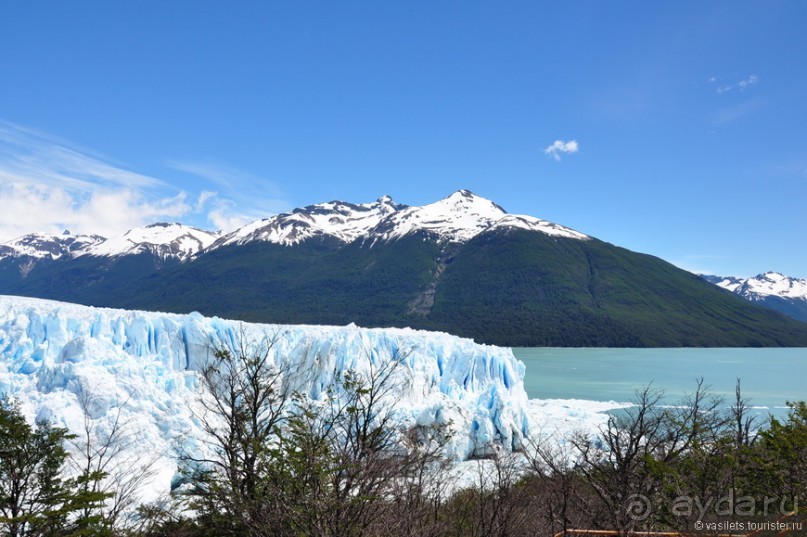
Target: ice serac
x=144, y=365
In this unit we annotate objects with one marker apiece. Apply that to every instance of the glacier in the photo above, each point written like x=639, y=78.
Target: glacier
x=143, y=367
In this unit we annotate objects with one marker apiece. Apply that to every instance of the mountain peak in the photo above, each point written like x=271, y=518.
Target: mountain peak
x=456, y=218
x=462, y=193
x=46, y=245
x=775, y=284
x=166, y=240
x=468, y=197
x=343, y=220
x=764, y=285
x=465, y=200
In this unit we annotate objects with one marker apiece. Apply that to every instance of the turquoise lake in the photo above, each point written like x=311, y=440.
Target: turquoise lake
x=769, y=377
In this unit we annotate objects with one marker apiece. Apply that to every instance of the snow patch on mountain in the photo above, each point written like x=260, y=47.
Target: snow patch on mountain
x=729, y=283
x=775, y=284
x=768, y=284
x=536, y=224
x=458, y=218
x=163, y=240
x=48, y=246
x=344, y=221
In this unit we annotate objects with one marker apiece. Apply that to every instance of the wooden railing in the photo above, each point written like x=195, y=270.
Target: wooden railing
x=799, y=517
x=615, y=533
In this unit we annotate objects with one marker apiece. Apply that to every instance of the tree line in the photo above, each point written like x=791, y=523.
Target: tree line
x=272, y=461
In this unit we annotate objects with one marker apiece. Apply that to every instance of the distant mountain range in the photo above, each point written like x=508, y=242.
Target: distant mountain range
x=461, y=265
x=163, y=241
x=771, y=289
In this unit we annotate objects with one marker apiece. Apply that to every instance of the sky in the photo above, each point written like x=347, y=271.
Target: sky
x=677, y=129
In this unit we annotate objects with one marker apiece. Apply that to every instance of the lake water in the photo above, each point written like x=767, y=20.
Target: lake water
x=769, y=377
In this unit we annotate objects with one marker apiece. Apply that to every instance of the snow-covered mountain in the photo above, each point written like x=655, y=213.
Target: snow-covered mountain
x=48, y=246
x=162, y=240
x=774, y=284
x=457, y=218
x=344, y=221
x=763, y=285
x=144, y=366
x=729, y=283
x=771, y=289
x=461, y=265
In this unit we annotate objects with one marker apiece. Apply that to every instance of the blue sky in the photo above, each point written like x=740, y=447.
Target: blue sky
x=673, y=128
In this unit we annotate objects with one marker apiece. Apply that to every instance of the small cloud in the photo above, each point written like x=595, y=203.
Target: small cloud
x=224, y=216
x=559, y=146
x=742, y=84
x=712, y=79
x=750, y=81
x=204, y=197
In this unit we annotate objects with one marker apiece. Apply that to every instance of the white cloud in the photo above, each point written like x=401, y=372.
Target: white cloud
x=224, y=217
x=742, y=84
x=244, y=197
x=47, y=186
x=559, y=146
x=29, y=206
x=750, y=81
x=204, y=197
x=221, y=212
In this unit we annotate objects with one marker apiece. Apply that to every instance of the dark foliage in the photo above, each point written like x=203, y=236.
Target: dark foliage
x=508, y=287
x=35, y=497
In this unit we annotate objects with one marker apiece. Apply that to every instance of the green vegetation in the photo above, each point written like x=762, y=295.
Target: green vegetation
x=529, y=289
x=35, y=496
x=277, y=463
x=508, y=287
x=274, y=462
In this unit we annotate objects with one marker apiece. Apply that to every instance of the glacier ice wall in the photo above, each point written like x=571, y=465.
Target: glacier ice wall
x=143, y=366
